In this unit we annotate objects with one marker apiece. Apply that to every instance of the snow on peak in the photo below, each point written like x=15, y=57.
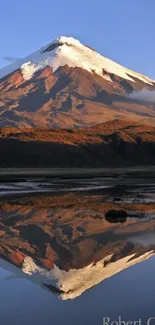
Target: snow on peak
x=76, y=281
x=69, y=51
x=28, y=69
x=69, y=40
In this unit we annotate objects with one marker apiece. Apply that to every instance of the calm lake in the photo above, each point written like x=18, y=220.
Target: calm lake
x=65, y=260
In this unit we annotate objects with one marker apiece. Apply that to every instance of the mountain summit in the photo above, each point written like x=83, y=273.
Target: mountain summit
x=67, y=84
x=69, y=51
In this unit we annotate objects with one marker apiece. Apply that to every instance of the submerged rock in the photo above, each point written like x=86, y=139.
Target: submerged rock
x=114, y=216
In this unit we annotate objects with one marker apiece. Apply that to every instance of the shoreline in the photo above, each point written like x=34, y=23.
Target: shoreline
x=20, y=182
x=77, y=172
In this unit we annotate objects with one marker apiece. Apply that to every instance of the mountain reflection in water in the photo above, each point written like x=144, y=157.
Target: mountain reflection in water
x=67, y=243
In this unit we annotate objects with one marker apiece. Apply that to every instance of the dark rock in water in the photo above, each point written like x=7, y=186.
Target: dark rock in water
x=114, y=216
x=116, y=199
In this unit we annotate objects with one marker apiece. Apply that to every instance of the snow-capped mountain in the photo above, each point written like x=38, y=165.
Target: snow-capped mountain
x=69, y=51
x=67, y=243
x=73, y=283
x=66, y=84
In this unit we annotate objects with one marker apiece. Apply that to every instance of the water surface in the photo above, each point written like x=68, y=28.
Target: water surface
x=62, y=260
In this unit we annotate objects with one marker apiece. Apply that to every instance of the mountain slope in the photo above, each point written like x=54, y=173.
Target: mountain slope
x=67, y=84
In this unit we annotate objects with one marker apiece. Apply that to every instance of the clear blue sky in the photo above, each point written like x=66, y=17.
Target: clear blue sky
x=123, y=30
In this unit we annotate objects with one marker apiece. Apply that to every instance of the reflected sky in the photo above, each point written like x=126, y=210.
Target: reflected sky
x=126, y=294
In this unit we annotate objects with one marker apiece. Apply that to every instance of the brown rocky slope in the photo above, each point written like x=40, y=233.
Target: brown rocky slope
x=114, y=143
x=69, y=230
x=70, y=97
